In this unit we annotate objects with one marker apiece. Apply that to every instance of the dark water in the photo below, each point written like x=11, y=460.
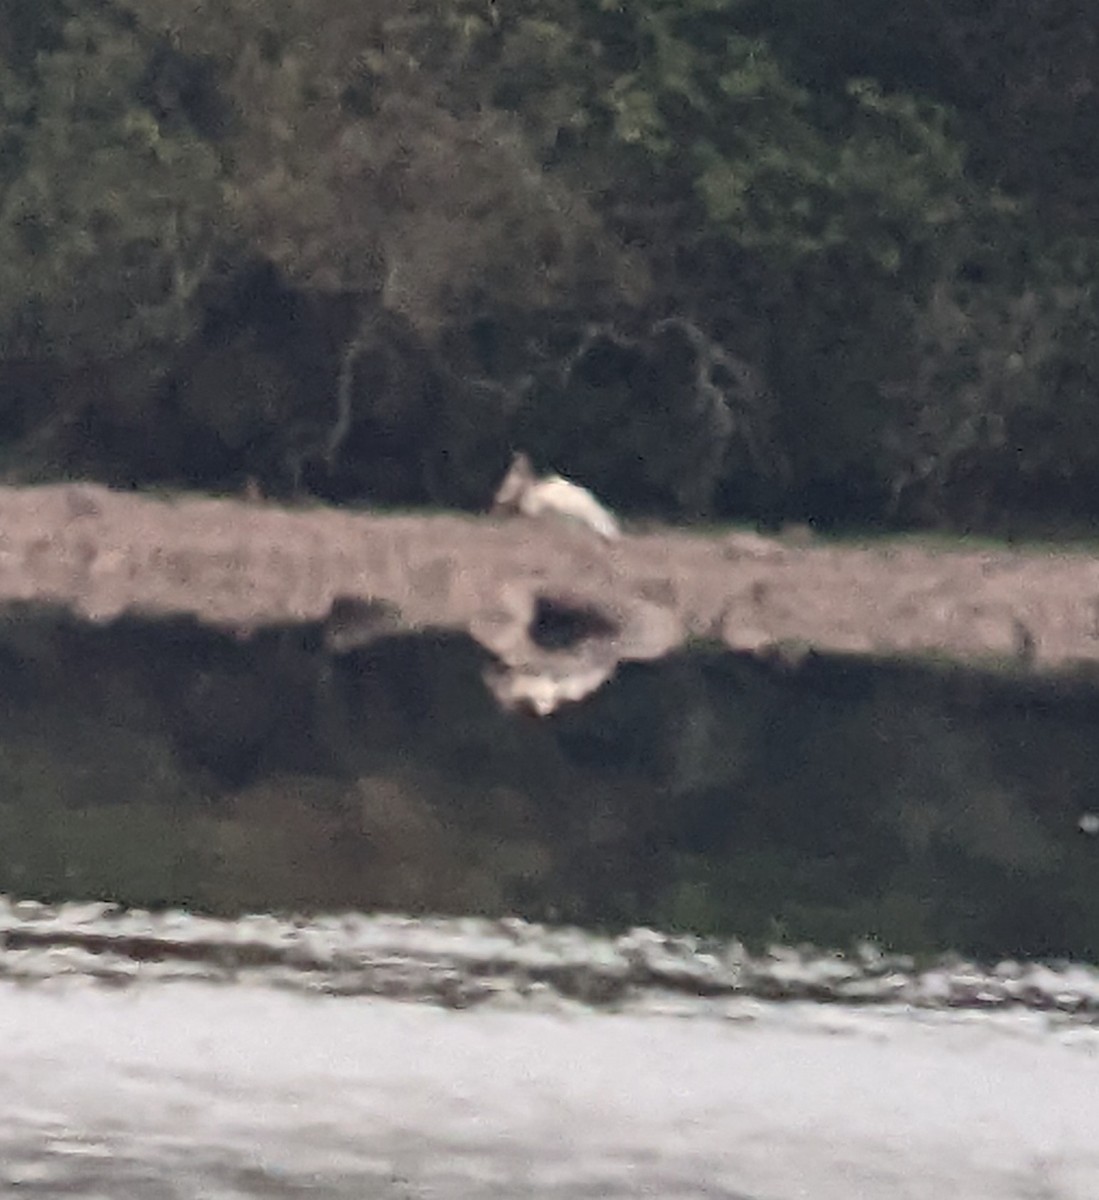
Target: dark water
x=930, y=809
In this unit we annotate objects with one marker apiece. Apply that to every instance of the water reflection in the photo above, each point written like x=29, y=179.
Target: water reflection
x=166, y=765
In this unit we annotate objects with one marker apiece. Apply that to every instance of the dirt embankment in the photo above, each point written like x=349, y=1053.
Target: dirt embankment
x=557, y=607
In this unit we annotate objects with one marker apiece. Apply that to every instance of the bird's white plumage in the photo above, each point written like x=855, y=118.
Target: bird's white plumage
x=554, y=496
x=559, y=497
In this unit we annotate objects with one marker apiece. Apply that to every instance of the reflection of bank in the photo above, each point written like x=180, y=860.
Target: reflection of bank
x=556, y=645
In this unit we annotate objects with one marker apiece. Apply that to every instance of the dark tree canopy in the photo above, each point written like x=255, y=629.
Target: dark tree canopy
x=719, y=257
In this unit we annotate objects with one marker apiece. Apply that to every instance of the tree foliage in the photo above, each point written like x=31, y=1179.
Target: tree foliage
x=111, y=224
x=713, y=255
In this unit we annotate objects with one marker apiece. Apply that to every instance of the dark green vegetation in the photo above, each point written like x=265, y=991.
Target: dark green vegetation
x=162, y=765
x=717, y=257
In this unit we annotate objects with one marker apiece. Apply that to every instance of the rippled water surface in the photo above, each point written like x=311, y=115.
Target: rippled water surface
x=133, y=1065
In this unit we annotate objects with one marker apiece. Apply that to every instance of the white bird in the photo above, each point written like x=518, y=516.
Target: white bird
x=523, y=492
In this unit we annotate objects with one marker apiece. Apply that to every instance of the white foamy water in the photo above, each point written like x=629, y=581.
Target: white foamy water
x=226, y=1091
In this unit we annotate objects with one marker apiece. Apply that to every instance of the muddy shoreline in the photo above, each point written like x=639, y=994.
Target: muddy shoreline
x=100, y=555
